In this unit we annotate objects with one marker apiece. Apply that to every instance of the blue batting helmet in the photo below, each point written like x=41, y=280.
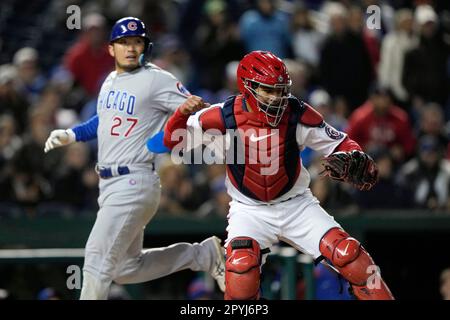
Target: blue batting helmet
x=131, y=27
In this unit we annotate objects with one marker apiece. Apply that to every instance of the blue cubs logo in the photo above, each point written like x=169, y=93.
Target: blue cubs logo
x=333, y=133
x=132, y=26
x=183, y=89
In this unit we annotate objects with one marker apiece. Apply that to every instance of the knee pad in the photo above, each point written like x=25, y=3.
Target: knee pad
x=355, y=264
x=347, y=255
x=242, y=273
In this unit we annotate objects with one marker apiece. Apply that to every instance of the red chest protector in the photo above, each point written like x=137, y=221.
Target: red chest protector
x=251, y=167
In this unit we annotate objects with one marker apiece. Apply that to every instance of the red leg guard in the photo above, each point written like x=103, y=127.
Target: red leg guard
x=242, y=274
x=355, y=265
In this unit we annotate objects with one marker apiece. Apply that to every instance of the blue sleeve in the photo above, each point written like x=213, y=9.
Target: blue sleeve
x=156, y=143
x=87, y=130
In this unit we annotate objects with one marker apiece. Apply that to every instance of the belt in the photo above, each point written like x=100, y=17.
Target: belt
x=114, y=171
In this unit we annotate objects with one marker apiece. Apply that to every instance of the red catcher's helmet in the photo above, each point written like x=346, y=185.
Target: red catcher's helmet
x=263, y=68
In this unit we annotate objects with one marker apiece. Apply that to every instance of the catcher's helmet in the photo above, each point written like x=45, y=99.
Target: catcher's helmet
x=263, y=68
x=131, y=27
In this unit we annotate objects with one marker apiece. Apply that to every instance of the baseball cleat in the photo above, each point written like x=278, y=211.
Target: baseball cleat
x=218, y=269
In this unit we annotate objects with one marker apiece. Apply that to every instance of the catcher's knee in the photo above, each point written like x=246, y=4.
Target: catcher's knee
x=347, y=255
x=242, y=269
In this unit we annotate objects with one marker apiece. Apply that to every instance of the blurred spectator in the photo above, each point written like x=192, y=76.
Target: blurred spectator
x=378, y=124
x=178, y=191
x=425, y=69
x=386, y=194
x=172, y=57
x=48, y=105
x=431, y=122
x=36, y=137
x=72, y=184
x=11, y=101
x=266, y=28
x=393, y=50
x=161, y=17
x=115, y=9
x=357, y=25
x=427, y=176
x=230, y=83
x=306, y=40
x=345, y=67
x=63, y=82
x=341, y=108
x=219, y=203
x=88, y=59
x=331, y=194
x=170, y=175
x=30, y=82
x=216, y=42
x=300, y=76
x=31, y=167
x=10, y=142
x=229, y=89
x=445, y=284
x=321, y=101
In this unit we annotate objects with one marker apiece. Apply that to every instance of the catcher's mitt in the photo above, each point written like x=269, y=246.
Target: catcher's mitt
x=354, y=167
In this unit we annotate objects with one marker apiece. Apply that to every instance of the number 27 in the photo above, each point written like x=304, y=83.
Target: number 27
x=118, y=122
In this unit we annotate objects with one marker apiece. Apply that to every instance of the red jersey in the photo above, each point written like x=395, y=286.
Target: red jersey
x=371, y=130
x=89, y=66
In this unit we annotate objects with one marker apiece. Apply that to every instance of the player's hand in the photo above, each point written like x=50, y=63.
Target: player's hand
x=354, y=167
x=192, y=105
x=59, y=138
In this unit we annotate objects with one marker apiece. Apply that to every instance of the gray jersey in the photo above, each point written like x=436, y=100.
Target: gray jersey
x=133, y=106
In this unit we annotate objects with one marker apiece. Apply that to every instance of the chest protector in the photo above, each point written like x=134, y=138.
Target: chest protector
x=262, y=162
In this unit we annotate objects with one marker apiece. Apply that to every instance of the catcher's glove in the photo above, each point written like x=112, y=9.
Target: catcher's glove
x=354, y=167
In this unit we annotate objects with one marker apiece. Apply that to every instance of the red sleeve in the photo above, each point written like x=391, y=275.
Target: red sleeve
x=348, y=145
x=310, y=116
x=176, y=121
x=212, y=119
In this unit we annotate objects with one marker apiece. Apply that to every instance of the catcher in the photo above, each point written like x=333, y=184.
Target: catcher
x=271, y=200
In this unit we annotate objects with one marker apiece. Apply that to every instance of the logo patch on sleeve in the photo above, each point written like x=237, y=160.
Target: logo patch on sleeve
x=183, y=89
x=333, y=133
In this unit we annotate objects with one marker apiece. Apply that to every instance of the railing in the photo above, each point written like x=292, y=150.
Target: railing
x=35, y=240
x=57, y=232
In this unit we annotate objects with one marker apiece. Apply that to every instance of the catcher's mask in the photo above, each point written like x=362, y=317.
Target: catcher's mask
x=262, y=69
